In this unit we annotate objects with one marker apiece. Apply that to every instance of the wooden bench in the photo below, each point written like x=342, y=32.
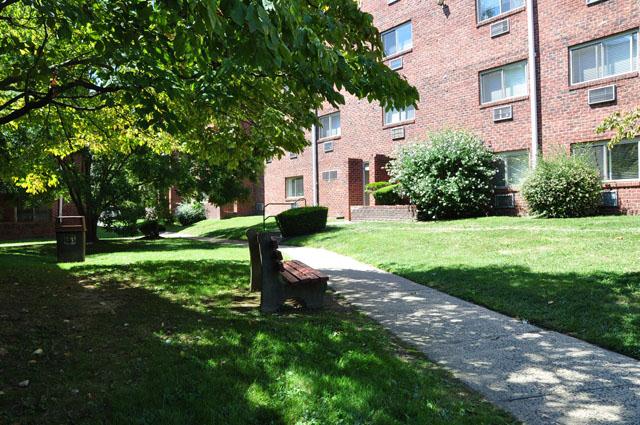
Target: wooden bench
x=279, y=280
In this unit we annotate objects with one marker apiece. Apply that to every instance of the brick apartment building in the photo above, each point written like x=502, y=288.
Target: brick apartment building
x=23, y=222
x=484, y=66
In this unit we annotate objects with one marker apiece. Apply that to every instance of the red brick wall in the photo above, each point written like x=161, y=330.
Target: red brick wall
x=12, y=230
x=356, y=184
x=449, y=52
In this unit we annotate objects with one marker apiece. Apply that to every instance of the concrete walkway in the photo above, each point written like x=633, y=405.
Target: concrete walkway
x=541, y=377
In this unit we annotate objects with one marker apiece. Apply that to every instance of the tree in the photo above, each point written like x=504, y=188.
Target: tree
x=238, y=77
x=625, y=126
x=111, y=169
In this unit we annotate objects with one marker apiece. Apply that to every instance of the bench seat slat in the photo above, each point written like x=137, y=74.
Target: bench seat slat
x=289, y=277
x=300, y=270
x=309, y=270
x=296, y=272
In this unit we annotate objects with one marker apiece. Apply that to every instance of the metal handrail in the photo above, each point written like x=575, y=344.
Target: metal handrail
x=266, y=217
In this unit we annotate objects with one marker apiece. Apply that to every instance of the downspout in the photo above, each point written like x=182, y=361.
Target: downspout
x=314, y=159
x=533, y=83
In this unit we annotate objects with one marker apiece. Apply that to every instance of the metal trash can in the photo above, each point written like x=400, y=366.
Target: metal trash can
x=71, y=238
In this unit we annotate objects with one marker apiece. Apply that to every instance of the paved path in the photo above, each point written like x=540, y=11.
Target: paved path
x=541, y=377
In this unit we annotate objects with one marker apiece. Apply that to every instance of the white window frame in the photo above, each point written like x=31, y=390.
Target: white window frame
x=401, y=111
x=600, y=59
x=501, y=69
x=395, y=29
x=504, y=156
x=286, y=187
x=502, y=12
x=330, y=118
x=607, y=158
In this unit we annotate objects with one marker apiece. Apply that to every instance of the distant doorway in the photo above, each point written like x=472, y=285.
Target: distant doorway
x=365, y=181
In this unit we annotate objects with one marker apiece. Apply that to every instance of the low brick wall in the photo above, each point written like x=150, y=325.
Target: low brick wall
x=383, y=213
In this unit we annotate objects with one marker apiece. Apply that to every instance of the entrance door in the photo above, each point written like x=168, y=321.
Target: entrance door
x=365, y=181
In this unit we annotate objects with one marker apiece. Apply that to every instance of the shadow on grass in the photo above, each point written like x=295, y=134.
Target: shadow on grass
x=161, y=342
x=603, y=308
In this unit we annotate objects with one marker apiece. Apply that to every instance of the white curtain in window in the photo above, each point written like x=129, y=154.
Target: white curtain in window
x=585, y=63
x=492, y=86
x=617, y=55
x=404, y=37
x=515, y=80
x=389, y=41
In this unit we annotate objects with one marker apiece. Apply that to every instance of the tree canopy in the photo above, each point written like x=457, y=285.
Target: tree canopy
x=223, y=80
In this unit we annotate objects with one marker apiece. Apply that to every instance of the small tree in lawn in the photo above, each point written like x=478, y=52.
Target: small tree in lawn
x=449, y=176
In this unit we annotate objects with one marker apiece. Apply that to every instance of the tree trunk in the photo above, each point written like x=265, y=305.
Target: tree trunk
x=92, y=228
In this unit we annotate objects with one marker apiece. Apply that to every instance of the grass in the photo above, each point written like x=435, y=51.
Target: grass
x=577, y=276
x=232, y=228
x=164, y=332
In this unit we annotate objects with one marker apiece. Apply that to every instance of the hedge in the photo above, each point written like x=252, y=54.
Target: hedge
x=302, y=221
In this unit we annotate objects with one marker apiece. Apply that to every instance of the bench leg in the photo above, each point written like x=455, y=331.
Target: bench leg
x=312, y=294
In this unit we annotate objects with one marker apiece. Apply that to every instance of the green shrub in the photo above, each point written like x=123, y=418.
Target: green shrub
x=190, y=213
x=563, y=186
x=388, y=195
x=374, y=186
x=449, y=176
x=150, y=229
x=302, y=221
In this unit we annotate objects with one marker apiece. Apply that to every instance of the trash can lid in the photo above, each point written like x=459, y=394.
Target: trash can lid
x=70, y=224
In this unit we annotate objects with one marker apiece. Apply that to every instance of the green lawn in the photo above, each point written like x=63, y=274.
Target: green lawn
x=232, y=228
x=164, y=332
x=577, y=276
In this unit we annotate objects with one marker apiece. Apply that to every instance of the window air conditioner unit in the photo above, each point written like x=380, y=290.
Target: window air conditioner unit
x=506, y=200
x=610, y=198
x=397, y=133
x=328, y=147
x=602, y=95
x=500, y=28
x=396, y=64
x=503, y=113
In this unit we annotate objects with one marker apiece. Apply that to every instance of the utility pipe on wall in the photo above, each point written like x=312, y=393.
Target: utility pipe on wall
x=314, y=159
x=533, y=82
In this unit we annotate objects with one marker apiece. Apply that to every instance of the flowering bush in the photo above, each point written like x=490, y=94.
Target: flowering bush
x=563, y=186
x=449, y=176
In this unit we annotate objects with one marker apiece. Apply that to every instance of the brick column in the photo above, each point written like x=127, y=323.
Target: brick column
x=356, y=188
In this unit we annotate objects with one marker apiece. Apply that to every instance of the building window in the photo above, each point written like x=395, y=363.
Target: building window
x=512, y=168
x=504, y=83
x=41, y=214
x=619, y=163
x=294, y=187
x=488, y=9
x=330, y=176
x=329, y=125
x=604, y=58
x=395, y=116
x=398, y=39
